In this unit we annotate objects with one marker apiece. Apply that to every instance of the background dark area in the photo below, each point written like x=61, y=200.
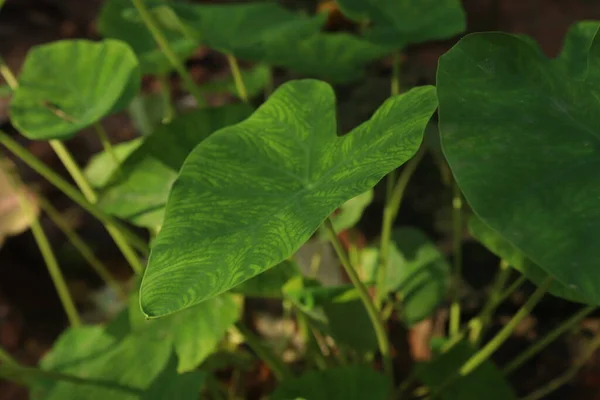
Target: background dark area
x=30, y=313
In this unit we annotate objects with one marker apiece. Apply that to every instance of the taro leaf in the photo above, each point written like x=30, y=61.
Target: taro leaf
x=196, y=332
x=138, y=191
x=485, y=382
x=245, y=31
x=70, y=84
x=172, y=385
x=339, y=312
x=255, y=80
x=112, y=23
x=251, y=194
x=349, y=213
x=102, y=165
x=503, y=249
x=519, y=132
x=271, y=282
x=336, y=57
x=401, y=22
x=125, y=369
x=348, y=383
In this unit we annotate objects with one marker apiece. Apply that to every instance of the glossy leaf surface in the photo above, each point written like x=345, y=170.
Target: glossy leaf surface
x=68, y=85
x=251, y=194
x=349, y=383
x=138, y=191
x=401, y=22
x=520, y=134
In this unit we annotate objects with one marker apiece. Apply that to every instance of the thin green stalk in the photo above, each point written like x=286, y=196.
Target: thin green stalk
x=479, y=324
x=165, y=47
x=7, y=74
x=48, y=255
x=378, y=326
x=82, y=247
x=237, y=78
x=390, y=212
x=67, y=159
x=165, y=89
x=106, y=145
x=484, y=354
x=551, y=336
x=70, y=191
x=264, y=353
x=568, y=375
x=457, y=246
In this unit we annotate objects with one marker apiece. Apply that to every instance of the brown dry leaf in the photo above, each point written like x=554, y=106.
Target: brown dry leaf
x=13, y=219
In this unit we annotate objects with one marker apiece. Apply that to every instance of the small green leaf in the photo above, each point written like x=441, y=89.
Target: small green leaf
x=355, y=382
x=401, y=22
x=485, y=382
x=196, y=332
x=102, y=165
x=68, y=85
x=112, y=23
x=251, y=194
x=503, y=249
x=139, y=190
x=520, y=134
x=271, y=282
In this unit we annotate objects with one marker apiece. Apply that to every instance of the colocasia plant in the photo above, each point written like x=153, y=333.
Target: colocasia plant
x=229, y=194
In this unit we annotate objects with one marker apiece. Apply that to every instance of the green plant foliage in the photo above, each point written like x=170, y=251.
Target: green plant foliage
x=518, y=131
x=251, y=194
x=102, y=165
x=255, y=80
x=113, y=23
x=138, y=191
x=349, y=213
x=485, y=382
x=147, y=112
x=122, y=370
x=195, y=332
x=348, y=383
x=401, y=22
x=70, y=84
x=503, y=249
x=271, y=282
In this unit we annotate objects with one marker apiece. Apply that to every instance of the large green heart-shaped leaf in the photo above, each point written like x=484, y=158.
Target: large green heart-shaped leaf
x=475, y=386
x=401, y=22
x=505, y=250
x=351, y=382
x=520, y=133
x=140, y=367
x=251, y=194
x=112, y=23
x=70, y=84
x=138, y=191
x=195, y=332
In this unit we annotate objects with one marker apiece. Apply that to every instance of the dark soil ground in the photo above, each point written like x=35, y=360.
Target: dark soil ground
x=30, y=313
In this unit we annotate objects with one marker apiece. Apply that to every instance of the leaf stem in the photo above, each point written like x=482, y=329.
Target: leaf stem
x=378, y=326
x=67, y=159
x=7, y=74
x=165, y=89
x=237, y=77
x=65, y=187
x=264, y=353
x=551, y=336
x=457, y=246
x=82, y=247
x=568, y=374
x=390, y=212
x=165, y=47
x=482, y=355
x=106, y=145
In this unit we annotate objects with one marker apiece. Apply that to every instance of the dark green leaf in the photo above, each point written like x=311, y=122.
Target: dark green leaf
x=255, y=80
x=68, y=85
x=102, y=165
x=147, y=112
x=251, y=194
x=357, y=382
x=503, y=249
x=349, y=213
x=519, y=132
x=271, y=282
x=485, y=382
x=401, y=22
x=139, y=190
